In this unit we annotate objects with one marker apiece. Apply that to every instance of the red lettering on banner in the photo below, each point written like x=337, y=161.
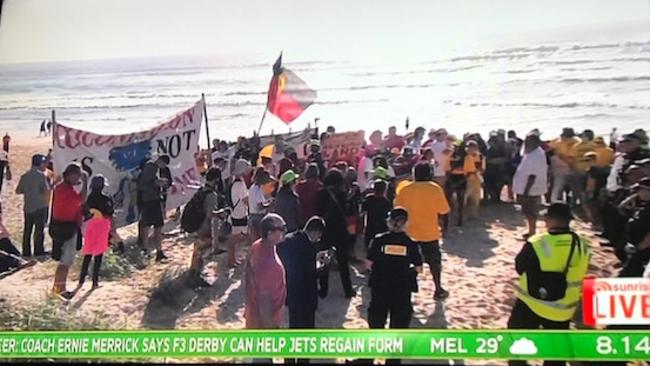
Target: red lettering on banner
x=186, y=179
x=104, y=140
x=86, y=139
x=173, y=124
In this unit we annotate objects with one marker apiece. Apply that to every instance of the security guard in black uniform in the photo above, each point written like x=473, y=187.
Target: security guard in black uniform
x=395, y=261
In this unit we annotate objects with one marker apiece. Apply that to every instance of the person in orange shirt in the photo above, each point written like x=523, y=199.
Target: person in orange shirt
x=425, y=202
x=474, y=166
x=604, y=154
x=562, y=162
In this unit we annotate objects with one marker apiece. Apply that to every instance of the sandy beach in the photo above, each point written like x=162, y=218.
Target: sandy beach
x=478, y=271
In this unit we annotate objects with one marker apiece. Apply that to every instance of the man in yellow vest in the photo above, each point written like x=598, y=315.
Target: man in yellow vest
x=551, y=268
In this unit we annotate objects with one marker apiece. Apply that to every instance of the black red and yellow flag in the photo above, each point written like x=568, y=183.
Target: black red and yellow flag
x=288, y=95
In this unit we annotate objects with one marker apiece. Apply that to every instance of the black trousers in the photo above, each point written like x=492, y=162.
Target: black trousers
x=397, y=304
x=301, y=318
x=34, y=223
x=86, y=265
x=524, y=318
x=344, y=270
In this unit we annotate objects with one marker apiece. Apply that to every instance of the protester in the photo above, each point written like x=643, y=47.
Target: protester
x=425, y=202
x=35, y=190
x=316, y=157
x=551, y=266
x=565, y=162
x=287, y=203
x=259, y=204
x=43, y=130
x=375, y=209
x=530, y=181
x=5, y=170
x=418, y=136
x=67, y=215
x=6, y=140
x=637, y=230
x=496, y=159
x=456, y=184
x=265, y=280
x=393, y=140
x=307, y=190
x=298, y=254
x=150, y=189
x=473, y=166
x=97, y=231
x=331, y=207
x=238, y=202
x=288, y=161
x=515, y=146
x=10, y=259
x=395, y=261
x=439, y=148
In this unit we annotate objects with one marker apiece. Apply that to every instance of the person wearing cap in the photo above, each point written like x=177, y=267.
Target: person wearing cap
x=97, y=229
x=637, y=231
x=65, y=228
x=35, y=189
x=298, y=252
x=551, y=267
x=395, y=260
x=375, y=208
x=259, y=203
x=287, y=203
x=426, y=203
x=530, y=181
x=150, y=189
x=438, y=146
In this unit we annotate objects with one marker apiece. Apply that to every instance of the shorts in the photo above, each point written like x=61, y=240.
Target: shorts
x=69, y=251
x=152, y=214
x=530, y=205
x=431, y=253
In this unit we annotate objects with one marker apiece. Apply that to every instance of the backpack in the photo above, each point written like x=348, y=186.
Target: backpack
x=193, y=214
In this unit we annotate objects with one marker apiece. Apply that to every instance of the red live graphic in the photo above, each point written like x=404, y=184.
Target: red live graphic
x=616, y=301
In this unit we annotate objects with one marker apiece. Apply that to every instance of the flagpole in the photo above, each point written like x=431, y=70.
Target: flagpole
x=259, y=129
x=205, y=116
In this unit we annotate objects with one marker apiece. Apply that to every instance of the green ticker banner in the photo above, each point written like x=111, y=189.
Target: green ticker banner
x=336, y=343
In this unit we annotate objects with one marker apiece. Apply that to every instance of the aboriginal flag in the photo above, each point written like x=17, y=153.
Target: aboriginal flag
x=288, y=95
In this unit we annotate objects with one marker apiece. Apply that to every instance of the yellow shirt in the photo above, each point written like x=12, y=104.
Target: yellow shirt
x=578, y=152
x=563, y=147
x=605, y=156
x=472, y=161
x=423, y=201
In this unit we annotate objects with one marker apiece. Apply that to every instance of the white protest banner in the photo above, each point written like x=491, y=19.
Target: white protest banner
x=120, y=158
x=343, y=146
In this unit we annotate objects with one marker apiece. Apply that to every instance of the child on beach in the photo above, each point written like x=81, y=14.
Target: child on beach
x=97, y=229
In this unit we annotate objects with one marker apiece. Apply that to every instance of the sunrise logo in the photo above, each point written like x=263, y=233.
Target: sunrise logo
x=609, y=301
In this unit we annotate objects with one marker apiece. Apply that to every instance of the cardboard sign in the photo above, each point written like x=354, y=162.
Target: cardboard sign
x=343, y=147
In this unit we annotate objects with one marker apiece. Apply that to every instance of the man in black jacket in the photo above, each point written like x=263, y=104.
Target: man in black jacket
x=298, y=254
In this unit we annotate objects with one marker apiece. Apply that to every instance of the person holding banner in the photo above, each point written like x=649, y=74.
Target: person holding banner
x=150, y=189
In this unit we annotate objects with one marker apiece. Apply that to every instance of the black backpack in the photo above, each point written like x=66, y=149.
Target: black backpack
x=193, y=213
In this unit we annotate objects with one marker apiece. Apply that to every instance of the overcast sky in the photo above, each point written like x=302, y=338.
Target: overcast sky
x=46, y=30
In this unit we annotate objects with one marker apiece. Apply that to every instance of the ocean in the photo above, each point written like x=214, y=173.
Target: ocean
x=597, y=85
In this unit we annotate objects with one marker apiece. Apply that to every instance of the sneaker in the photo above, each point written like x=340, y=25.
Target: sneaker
x=441, y=294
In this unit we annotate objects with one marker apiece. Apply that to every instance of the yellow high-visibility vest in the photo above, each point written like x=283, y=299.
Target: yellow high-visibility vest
x=552, y=250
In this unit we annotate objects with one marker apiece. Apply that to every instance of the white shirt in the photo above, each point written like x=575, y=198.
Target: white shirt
x=238, y=195
x=365, y=166
x=532, y=163
x=612, y=179
x=3, y=155
x=255, y=199
x=437, y=147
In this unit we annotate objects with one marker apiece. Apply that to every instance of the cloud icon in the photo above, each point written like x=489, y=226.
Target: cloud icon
x=523, y=346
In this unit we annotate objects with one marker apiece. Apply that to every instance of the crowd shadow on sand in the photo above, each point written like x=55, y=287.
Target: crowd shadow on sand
x=482, y=243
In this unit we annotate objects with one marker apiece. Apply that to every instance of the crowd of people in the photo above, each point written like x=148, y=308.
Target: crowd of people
x=401, y=195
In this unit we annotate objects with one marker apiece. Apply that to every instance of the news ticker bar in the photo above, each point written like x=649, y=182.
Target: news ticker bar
x=339, y=343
